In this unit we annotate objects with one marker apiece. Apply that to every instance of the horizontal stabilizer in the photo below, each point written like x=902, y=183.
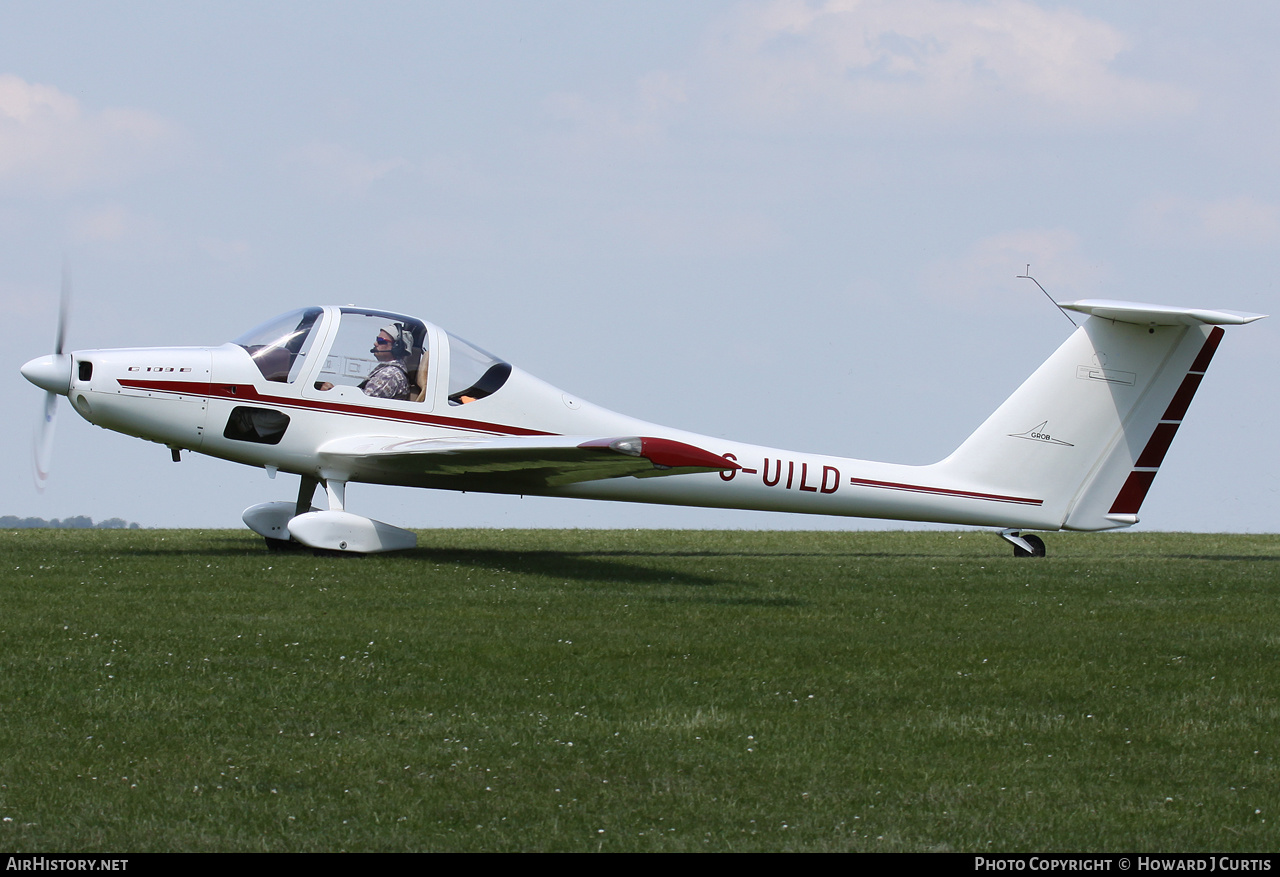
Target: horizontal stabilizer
x=1157, y=315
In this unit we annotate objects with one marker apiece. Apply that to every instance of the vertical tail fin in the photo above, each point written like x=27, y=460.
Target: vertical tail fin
x=1090, y=428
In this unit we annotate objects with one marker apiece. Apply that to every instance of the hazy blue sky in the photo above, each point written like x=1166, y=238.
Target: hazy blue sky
x=791, y=223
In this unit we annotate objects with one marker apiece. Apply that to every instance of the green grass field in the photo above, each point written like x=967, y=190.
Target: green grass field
x=640, y=690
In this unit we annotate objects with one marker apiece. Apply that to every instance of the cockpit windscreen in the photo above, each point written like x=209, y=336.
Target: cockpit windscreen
x=279, y=347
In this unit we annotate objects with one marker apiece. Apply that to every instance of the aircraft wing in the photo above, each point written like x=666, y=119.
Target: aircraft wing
x=530, y=461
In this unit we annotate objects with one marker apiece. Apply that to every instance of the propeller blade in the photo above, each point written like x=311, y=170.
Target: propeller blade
x=43, y=451
x=44, y=440
x=64, y=309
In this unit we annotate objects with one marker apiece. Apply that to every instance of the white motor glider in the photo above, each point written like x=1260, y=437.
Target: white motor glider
x=341, y=394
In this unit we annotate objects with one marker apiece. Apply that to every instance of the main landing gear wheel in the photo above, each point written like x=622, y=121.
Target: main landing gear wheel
x=1024, y=545
x=1037, y=547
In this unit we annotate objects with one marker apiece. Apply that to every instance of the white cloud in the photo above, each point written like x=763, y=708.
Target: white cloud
x=459, y=173
x=989, y=270
x=679, y=232
x=436, y=235
x=929, y=59
x=584, y=126
x=872, y=66
x=121, y=232
x=48, y=141
x=110, y=225
x=124, y=233
x=32, y=301
x=1239, y=222
x=222, y=249
x=338, y=170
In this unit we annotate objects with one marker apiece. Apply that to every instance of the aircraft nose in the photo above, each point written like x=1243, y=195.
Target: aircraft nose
x=51, y=372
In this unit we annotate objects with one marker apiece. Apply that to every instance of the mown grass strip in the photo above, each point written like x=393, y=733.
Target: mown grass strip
x=639, y=690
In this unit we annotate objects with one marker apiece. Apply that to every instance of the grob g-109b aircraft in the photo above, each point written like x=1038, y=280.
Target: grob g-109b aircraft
x=342, y=394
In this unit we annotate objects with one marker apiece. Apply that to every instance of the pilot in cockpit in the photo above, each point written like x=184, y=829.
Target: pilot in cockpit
x=390, y=377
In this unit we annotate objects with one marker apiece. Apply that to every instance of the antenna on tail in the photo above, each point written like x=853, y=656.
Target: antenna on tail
x=1028, y=276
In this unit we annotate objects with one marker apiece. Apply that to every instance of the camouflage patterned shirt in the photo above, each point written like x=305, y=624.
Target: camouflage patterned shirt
x=388, y=380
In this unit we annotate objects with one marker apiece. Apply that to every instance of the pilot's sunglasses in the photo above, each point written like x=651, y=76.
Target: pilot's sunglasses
x=381, y=340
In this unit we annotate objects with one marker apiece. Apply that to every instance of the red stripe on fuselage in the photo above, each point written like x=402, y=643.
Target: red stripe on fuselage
x=942, y=491
x=249, y=393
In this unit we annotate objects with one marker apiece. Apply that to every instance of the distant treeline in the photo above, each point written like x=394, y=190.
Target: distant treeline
x=79, y=522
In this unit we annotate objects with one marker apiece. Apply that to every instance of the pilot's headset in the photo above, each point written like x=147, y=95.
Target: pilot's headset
x=401, y=340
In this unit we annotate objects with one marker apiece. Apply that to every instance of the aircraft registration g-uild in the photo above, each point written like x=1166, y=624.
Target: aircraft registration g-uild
x=342, y=394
